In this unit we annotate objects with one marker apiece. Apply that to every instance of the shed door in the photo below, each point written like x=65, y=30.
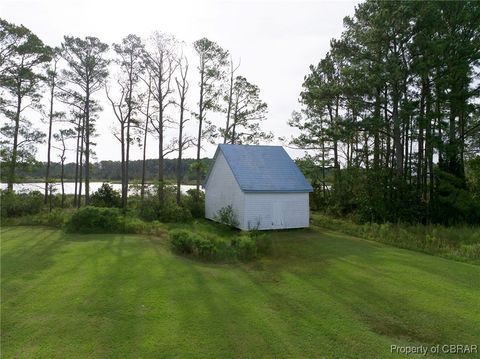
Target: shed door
x=278, y=220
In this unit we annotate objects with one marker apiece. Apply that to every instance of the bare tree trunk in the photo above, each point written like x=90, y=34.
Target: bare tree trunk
x=87, y=147
x=376, y=137
x=160, y=156
x=62, y=175
x=421, y=124
x=79, y=203
x=200, y=122
x=397, y=143
x=122, y=147
x=11, y=177
x=234, y=125
x=182, y=91
x=230, y=99
x=145, y=136
x=49, y=143
x=77, y=156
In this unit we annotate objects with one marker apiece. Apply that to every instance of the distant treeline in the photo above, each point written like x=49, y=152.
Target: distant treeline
x=112, y=170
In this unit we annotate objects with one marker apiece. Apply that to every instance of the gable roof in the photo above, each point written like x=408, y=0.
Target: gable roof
x=262, y=169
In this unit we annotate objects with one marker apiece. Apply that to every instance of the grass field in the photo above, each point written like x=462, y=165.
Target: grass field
x=320, y=294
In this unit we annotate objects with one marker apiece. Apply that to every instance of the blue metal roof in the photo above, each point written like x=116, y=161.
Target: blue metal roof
x=263, y=169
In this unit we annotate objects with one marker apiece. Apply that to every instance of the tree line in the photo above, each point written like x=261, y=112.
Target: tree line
x=392, y=111
x=112, y=171
x=146, y=82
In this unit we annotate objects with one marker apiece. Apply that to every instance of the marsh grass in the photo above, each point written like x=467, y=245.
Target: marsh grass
x=456, y=242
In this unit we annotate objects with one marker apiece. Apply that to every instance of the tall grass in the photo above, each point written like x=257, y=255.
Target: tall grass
x=458, y=242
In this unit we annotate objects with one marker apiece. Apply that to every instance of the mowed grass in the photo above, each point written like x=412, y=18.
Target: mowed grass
x=319, y=294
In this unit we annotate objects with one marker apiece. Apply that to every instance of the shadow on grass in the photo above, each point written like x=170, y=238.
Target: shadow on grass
x=26, y=252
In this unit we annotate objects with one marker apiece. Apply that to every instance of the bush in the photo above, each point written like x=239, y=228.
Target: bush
x=57, y=218
x=134, y=225
x=245, y=247
x=194, y=201
x=148, y=208
x=20, y=204
x=96, y=220
x=171, y=212
x=106, y=196
x=210, y=247
x=227, y=216
x=186, y=242
x=183, y=241
x=151, y=210
x=205, y=248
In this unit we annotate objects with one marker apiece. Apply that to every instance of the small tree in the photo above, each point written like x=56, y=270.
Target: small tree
x=227, y=216
x=106, y=196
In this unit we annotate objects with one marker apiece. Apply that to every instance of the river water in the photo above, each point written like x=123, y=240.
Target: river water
x=70, y=187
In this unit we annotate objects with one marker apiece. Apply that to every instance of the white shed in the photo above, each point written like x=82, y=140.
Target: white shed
x=262, y=184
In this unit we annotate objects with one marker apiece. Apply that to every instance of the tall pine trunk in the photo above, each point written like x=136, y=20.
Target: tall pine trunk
x=200, y=123
x=87, y=147
x=13, y=164
x=145, y=136
x=49, y=140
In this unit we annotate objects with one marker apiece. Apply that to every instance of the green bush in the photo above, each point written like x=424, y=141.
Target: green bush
x=205, y=248
x=148, y=208
x=227, y=216
x=57, y=218
x=134, y=225
x=171, y=212
x=183, y=241
x=194, y=201
x=151, y=210
x=96, y=220
x=186, y=242
x=211, y=247
x=20, y=204
x=245, y=247
x=106, y=196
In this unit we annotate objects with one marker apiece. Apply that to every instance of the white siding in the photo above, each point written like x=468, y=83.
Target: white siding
x=222, y=190
x=276, y=210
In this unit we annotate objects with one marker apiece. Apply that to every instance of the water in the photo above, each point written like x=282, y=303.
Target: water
x=70, y=187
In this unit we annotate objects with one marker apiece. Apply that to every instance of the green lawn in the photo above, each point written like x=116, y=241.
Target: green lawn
x=320, y=294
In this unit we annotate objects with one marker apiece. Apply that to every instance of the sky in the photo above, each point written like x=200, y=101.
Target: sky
x=275, y=42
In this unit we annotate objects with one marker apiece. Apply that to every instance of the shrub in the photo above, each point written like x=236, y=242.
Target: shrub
x=211, y=247
x=227, y=216
x=106, y=196
x=172, y=212
x=205, y=248
x=20, y=204
x=245, y=247
x=57, y=218
x=194, y=201
x=151, y=209
x=148, y=208
x=96, y=220
x=187, y=242
x=133, y=225
x=182, y=241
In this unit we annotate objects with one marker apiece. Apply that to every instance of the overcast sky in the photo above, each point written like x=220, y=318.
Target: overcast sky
x=276, y=42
